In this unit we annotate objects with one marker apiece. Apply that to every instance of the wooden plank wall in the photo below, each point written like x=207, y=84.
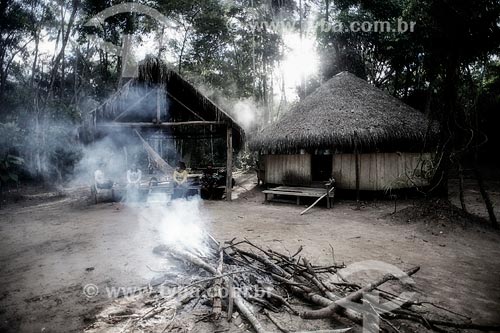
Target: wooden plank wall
x=278, y=167
x=378, y=171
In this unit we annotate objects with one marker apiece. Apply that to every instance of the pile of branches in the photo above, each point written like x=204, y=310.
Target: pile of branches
x=243, y=280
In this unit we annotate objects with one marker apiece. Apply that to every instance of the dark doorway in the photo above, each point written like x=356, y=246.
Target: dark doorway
x=321, y=167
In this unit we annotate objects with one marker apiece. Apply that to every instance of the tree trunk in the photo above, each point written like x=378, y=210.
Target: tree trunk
x=486, y=197
x=60, y=55
x=303, y=87
x=181, y=54
x=327, y=10
x=356, y=152
x=35, y=60
x=264, y=91
x=61, y=82
x=448, y=129
x=4, y=41
x=3, y=82
x=229, y=164
x=461, y=186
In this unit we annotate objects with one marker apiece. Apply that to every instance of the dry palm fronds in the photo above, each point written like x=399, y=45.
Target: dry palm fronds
x=344, y=112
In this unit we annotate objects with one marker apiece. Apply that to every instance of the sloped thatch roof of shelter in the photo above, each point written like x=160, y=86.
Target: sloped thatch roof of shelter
x=154, y=72
x=136, y=101
x=343, y=111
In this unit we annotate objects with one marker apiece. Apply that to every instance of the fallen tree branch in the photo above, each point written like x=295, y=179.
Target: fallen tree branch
x=248, y=314
x=270, y=274
x=433, y=323
x=238, y=300
x=316, y=202
x=281, y=300
x=217, y=302
x=276, y=322
x=340, y=305
x=230, y=301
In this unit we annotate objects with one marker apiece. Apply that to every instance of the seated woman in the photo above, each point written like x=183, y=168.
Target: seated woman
x=101, y=182
x=180, y=180
x=134, y=176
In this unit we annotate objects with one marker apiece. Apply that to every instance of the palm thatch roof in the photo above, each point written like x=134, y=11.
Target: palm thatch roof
x=153, y=71
x=344, y=112
x=137, y=100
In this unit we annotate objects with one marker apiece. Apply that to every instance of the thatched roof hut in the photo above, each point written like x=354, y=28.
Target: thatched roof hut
x=344, y=111
x=176, y=120
x=154, y=72
x=349, y=130
x=138, y=102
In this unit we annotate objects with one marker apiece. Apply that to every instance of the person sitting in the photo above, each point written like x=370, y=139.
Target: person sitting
x=101, y=182
x=153, y=182
x=134, y=176
x=209, y=171
x=180, y=175
x=180, y=179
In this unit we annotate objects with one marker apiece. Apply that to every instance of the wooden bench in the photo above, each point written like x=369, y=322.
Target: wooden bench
x=298, y=192
x=95, y=191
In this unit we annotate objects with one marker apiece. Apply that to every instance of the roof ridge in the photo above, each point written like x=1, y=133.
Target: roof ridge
x=343, y=105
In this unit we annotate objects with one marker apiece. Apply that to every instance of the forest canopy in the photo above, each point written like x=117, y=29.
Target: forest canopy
x=254, y=58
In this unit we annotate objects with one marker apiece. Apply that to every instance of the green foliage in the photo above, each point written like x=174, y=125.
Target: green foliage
x=9, y=168
x=11, y=138
x=448, y=66
x=246, y=160
x=418, y=178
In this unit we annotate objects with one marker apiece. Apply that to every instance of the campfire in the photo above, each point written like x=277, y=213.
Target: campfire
x=239, y=285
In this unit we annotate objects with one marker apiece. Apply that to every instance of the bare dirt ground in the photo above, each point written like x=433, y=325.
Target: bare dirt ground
x=51, y=247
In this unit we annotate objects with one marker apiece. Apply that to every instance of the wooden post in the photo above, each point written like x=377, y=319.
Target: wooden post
x=327, y=195
x=357, y=175
x=229, y=163
x=356, y=152
x=158, y=105
x=126, y=157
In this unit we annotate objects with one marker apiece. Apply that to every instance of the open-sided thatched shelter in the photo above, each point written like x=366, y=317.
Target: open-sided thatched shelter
x=176, y=119
x=348, y=129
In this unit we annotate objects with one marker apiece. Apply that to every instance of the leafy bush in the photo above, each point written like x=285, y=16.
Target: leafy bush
x=10, y=142
x=9, y=168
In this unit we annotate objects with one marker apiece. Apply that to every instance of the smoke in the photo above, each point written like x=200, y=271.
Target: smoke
x=114, y=155
x=177, y=223
x=50, y=149
x=181, y=224
x=118, y=149
x=245, y=111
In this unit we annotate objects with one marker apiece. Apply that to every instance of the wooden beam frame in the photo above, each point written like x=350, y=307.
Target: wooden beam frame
x=162, y=125
x=158, y=105
x=158, y=92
